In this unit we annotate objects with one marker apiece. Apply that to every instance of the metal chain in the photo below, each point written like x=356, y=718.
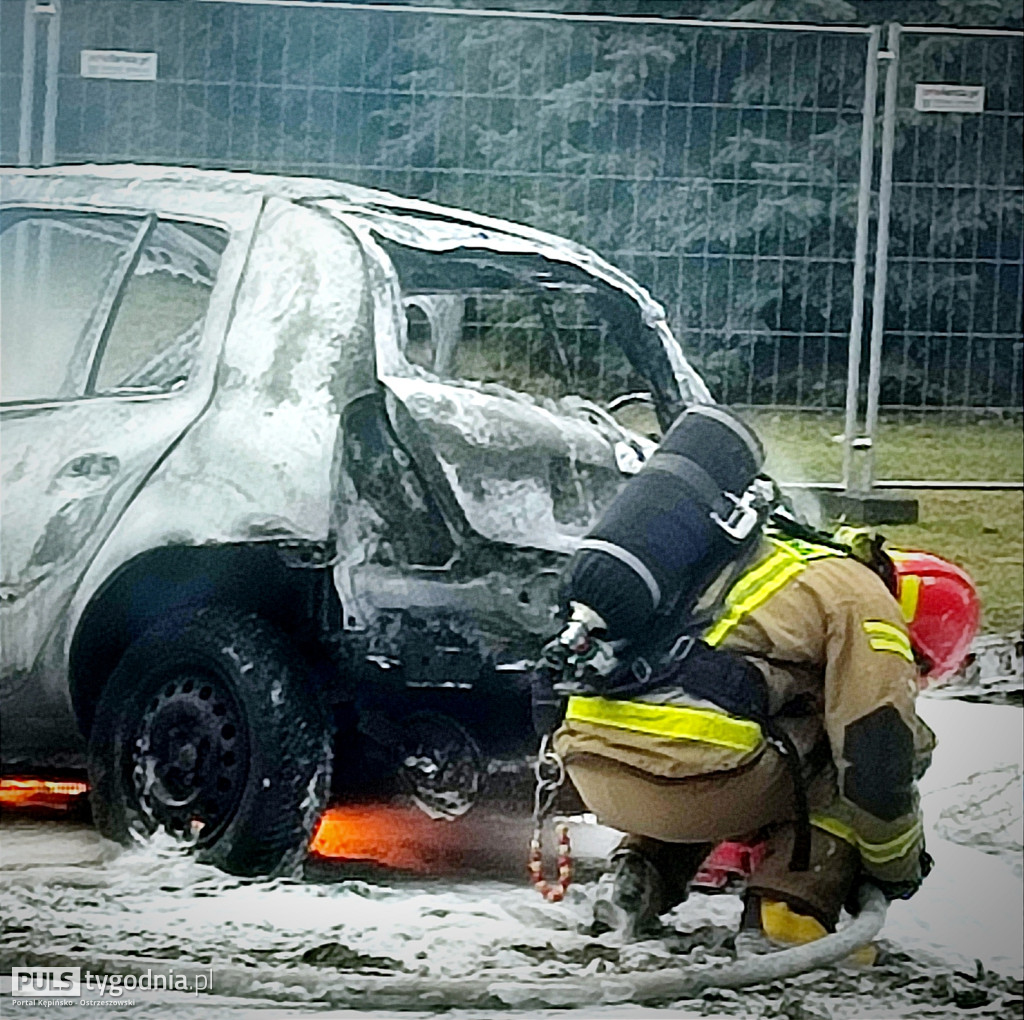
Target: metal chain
x=550, y=772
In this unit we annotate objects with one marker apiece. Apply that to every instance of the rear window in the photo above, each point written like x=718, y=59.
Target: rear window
x=518, y=321
x=551, y=345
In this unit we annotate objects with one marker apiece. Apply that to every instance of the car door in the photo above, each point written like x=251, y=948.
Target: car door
x=102, y=324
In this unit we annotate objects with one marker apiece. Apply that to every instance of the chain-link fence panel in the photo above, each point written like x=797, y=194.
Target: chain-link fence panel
x=12, y=50
x=953, y=314
x=718, y=165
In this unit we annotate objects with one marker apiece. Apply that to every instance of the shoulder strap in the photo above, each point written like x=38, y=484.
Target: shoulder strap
x=756, y=585
x=865, y=545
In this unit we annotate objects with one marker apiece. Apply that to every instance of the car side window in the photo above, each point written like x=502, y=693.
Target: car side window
x=158, y=319
x=56, y=270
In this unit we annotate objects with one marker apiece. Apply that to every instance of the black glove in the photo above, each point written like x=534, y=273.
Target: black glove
x=905, y=889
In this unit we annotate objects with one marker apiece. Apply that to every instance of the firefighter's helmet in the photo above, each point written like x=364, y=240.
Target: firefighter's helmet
x=940, y=604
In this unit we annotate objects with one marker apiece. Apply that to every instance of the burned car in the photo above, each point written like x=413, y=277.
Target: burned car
x=290, y=472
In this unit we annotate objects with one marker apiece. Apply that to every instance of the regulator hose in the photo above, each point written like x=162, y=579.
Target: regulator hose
x=416, y=992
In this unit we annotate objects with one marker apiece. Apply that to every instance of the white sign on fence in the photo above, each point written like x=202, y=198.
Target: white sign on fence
x=123, y=64
x=949, y=98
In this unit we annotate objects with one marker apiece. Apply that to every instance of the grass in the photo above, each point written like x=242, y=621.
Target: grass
x=802, y=448
x=982, y=531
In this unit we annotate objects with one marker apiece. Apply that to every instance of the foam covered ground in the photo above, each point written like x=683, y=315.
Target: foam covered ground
x=297, y=948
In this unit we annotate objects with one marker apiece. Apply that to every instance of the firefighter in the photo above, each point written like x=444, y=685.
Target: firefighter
x=789, y=718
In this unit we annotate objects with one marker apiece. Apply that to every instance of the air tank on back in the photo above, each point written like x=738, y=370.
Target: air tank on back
x=688, y=512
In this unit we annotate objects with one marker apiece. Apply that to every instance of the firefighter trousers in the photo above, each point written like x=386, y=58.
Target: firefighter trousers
x=666, y=817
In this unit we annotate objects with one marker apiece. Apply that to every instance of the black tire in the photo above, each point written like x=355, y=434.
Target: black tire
x=207, y=729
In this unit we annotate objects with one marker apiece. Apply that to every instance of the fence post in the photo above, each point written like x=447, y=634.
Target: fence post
x=26, y=133
x=857, y=503
x=52, y=66
x=892, y=55
x=28, y=84
x=867, y=152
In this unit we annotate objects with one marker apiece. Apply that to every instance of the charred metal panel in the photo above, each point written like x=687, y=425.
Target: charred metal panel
x=523, y=473
x=519, y=478
x=257, y=465
x=69, y=470
x=435, y=599
x=71, y=467
x=499, y=600
x=380, y=474
x=524, y=470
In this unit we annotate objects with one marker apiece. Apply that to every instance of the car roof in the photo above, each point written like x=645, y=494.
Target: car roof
x=81, y=179
x=409, y=221
x=437, y=226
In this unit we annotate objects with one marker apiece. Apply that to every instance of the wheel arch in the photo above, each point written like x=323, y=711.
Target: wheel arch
x=288, y=585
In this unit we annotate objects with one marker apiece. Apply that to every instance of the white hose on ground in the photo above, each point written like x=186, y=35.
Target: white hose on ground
x=758, y=970
x=414, y=992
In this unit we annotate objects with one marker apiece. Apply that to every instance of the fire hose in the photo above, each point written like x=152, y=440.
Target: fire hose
x=416, y=992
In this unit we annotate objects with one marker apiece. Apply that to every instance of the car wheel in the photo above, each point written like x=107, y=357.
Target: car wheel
x=443, y=769
x=207, y=732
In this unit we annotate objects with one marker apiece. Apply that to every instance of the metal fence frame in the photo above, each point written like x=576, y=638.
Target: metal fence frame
x=859, y=436
x=864, y=444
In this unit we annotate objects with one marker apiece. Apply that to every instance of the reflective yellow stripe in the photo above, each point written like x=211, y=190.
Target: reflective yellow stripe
x=873, y=853
x=761, y=582
x=676, y=722
x=835, y=827
x=881, y=645
x=908, y=588
x=810, y=551
x=887, y=637
x=899, y=846
x=754, y=588
x=881, y=628
x=910, y=592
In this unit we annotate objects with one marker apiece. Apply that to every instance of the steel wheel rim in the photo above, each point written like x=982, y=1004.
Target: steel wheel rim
x=189, y=757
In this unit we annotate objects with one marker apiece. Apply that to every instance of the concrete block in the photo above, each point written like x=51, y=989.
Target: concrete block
x=868, y=508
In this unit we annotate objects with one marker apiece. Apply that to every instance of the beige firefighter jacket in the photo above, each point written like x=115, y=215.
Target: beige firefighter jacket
x=833, y=646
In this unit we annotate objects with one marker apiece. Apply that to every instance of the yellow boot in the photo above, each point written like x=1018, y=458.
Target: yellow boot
x=784, y=926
